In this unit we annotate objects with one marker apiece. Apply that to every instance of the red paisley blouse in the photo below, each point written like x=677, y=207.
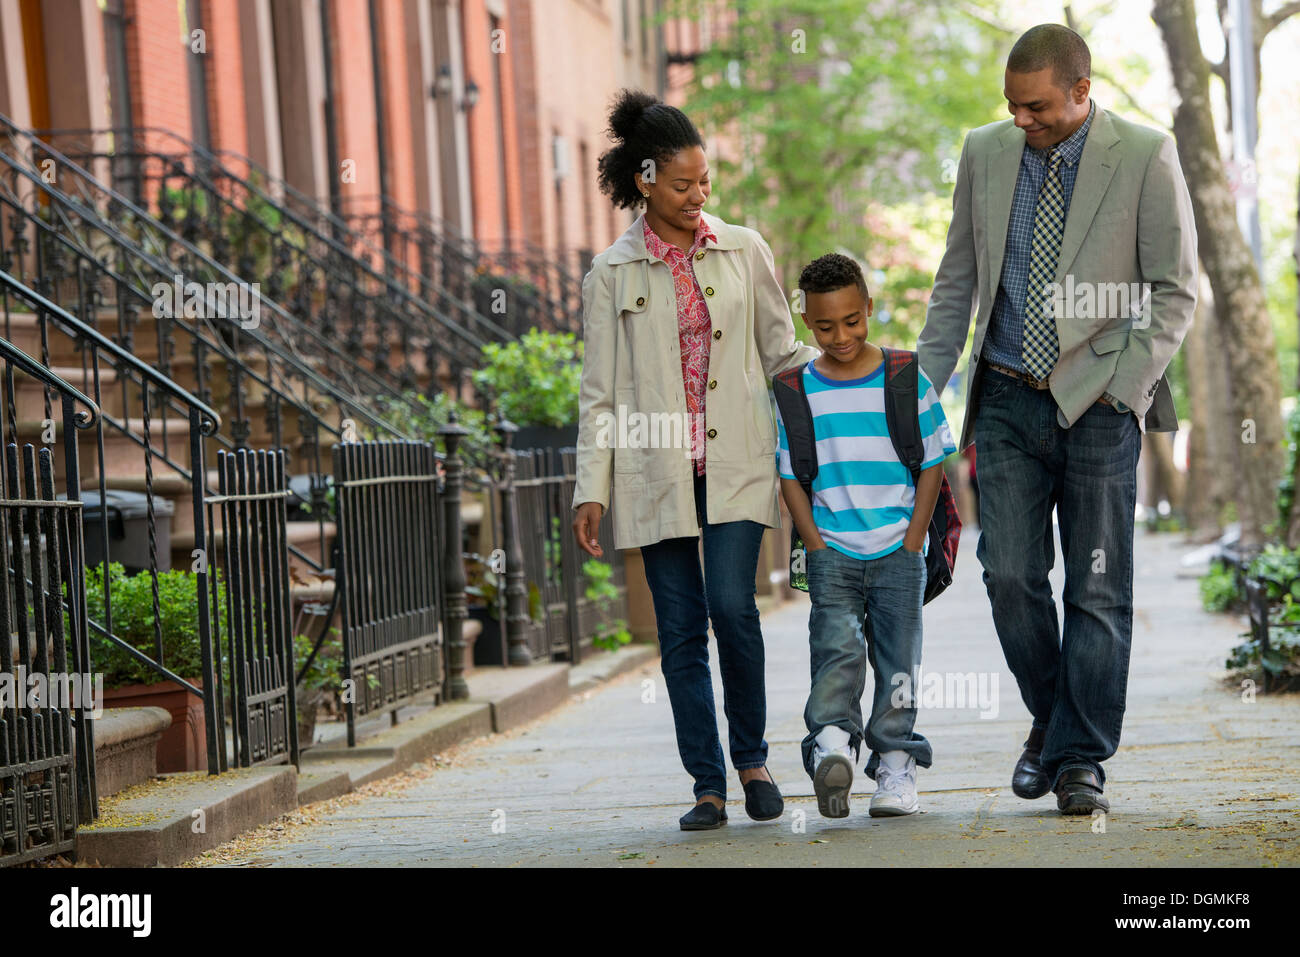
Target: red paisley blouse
x=693, y=327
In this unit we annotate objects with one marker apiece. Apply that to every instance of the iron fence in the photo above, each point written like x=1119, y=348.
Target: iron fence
x=389, y=557
x=254, y=553
x=47, y=759
x=566, y=618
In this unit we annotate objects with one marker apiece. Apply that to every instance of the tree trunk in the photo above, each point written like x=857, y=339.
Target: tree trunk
x=1293, y=527
x=1247, y=329
x=1164, y=481
x=1211, y=446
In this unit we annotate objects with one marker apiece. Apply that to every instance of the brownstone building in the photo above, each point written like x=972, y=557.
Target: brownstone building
x=485, y=116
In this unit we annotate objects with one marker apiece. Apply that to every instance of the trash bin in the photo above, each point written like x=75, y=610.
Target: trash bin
x=128, y=528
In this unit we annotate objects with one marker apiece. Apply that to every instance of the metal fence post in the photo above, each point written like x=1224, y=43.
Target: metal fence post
x=516, y=589
x=453, y=563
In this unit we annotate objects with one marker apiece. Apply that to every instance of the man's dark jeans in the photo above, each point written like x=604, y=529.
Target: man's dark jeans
x=685, y=601
x=1073, y=680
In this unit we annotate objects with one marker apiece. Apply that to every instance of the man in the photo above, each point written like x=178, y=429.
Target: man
x=1072, y=237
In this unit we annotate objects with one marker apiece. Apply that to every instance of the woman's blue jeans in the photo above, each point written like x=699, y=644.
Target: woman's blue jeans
x=1073, y=678
x=685, y=602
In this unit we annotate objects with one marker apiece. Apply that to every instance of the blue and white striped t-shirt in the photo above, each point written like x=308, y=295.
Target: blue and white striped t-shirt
x=863, y=495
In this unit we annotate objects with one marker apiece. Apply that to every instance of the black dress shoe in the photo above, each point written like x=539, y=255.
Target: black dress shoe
x=763, y=800
x=1029, y=780
x=705, y=816
x=1078, y=791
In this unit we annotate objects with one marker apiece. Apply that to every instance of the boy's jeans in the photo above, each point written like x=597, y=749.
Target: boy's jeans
x=684, y=604
x=885, y=594
x=1073, y=678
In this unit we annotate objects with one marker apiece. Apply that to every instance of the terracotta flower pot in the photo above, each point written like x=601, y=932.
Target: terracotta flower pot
x=184, y=745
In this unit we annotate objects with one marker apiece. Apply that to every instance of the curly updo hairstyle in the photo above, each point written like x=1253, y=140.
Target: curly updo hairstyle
x=642, y=127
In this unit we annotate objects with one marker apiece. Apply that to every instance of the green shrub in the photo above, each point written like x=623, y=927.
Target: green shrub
x=133, y=622
x=1219, y=589
x=1278, y=567
x=421, y=417
x=536, y=378
x=1286, y=487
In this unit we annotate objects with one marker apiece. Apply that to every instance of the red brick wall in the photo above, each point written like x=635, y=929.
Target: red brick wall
x=530, y=139
x=225, y=72
x=354, y=92
x=156, y=66
x=485, y=152
x=397, y=102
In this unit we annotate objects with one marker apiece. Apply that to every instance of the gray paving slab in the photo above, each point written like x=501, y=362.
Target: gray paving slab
x=1204, y=776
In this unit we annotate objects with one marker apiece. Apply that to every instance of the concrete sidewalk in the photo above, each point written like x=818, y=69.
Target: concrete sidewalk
x=1203, y=777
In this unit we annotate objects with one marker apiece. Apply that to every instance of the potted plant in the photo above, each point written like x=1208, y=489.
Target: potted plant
x=321, y=678
x=536, y=381
x=130, y=683
x=483, y=589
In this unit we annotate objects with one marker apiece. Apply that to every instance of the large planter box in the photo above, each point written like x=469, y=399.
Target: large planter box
x=184, y=745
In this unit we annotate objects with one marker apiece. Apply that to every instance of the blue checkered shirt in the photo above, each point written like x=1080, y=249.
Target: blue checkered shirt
x=1002, y=340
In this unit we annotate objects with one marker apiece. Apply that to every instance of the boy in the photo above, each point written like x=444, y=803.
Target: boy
x=865, y=535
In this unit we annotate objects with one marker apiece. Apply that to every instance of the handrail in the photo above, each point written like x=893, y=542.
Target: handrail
x=208, y=427
x=397, y=275
x=335, y=223
x=308, y=375
x=15, y=356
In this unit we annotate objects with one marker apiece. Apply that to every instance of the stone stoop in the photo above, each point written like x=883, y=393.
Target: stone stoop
x=126, y=747
x=175, y=817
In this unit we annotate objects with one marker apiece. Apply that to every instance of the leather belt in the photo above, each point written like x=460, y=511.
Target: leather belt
x=1024, y=377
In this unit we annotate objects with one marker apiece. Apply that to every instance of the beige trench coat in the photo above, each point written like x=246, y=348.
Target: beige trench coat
x=632, y=364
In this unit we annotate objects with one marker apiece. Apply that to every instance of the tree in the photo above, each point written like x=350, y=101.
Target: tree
x=1243, y=314
x=844, y=112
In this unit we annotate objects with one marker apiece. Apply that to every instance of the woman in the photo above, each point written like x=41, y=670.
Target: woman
x=684, y=307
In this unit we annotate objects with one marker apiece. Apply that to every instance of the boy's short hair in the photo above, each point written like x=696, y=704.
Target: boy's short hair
x=830, y=272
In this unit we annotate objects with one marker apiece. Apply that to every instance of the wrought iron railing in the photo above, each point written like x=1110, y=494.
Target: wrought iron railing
x=513, y=281
x=47, y=761
x=391, y=575
x=235, y=539
x=543, y=484
x=228, y=207
x=86, y=247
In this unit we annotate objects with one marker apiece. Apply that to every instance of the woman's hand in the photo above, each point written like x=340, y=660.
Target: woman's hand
x=585, y=524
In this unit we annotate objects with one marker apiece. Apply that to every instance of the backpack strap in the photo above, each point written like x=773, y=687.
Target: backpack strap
x=796, y=417
x=901, y=400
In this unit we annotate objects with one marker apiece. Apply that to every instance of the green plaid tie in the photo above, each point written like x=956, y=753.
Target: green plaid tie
x=1038, y=348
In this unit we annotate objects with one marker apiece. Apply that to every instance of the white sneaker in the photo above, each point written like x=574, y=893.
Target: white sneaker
x=832, y=780
x=895, y=790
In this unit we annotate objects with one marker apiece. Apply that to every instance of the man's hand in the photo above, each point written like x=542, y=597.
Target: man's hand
x=585, y=524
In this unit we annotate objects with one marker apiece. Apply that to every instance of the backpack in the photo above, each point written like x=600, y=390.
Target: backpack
x=901, y=386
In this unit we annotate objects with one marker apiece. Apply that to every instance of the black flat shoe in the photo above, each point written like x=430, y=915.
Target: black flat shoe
x=705, y=816
x=763, y=800
x=1029, y=780
x=1078, y=791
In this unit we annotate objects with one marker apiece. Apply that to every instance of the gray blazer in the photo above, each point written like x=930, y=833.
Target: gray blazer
x=1130, y=221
